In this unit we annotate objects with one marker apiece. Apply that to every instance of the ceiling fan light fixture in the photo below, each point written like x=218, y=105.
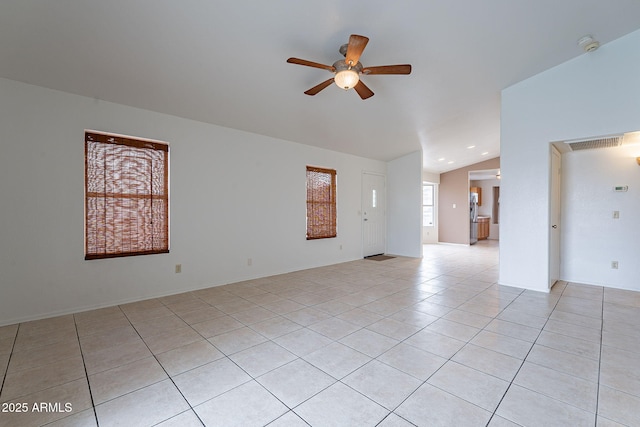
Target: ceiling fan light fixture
x=346, y=72
x=346, y=79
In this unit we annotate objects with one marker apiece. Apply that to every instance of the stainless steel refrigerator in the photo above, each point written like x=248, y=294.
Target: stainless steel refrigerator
x=473, y=218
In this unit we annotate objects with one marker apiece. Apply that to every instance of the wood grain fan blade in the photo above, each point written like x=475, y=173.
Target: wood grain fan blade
x=363, y=90
x=311, y=64
x=388, y=69
x=354, y=49
x=319, y=87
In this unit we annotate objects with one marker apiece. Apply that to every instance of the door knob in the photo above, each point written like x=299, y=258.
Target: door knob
x=366, y=219
x=554, y=226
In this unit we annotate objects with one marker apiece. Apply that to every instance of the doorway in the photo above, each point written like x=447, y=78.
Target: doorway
x=554, y=216
x=374, y=222
x=484, y=185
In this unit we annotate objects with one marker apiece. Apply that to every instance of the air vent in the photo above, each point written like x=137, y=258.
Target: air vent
x=590, y=144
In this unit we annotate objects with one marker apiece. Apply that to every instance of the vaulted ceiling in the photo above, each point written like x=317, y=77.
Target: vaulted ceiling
x=224, y=62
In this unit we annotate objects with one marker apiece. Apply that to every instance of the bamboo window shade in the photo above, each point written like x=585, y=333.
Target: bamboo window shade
x=321, y=203
x=126, y=196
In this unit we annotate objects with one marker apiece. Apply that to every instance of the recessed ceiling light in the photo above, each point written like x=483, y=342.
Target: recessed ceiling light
x=471, y=146
x=450, y=162
x=441, y=159
x=485, y=153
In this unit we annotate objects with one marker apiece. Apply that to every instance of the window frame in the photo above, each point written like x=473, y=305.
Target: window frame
x=109, y=232
x=323, y=230
x=430, y=205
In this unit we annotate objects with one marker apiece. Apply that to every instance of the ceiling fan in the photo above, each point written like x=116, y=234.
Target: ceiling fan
x=347, y=71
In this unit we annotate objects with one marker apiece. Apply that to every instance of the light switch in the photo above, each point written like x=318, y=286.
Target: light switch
x=454, y=206
x=616, y=214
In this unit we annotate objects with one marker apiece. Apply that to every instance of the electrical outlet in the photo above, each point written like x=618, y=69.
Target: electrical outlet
x=178, y=268
x=249, y=262
x=614, y=265
x=616, y=214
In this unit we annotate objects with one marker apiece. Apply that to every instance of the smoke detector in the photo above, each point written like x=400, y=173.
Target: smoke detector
x=588, y=44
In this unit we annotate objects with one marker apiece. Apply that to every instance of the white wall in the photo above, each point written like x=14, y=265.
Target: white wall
x=591, y=238
x=595, y=94
x=234, y=196
x=404, y=201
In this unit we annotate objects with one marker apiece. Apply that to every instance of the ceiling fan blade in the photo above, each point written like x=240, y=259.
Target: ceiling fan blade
x=311, y=64
x=319, y=87
x=388, y=69
x=363, y=90
x=354, y=49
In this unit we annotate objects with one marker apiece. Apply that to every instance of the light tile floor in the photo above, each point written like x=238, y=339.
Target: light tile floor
x=430, y=342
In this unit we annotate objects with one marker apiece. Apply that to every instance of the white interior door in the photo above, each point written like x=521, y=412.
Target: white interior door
x=554, y=217
x=373, y=214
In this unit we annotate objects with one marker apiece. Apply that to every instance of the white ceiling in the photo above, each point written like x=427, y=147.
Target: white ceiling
x=224, y=62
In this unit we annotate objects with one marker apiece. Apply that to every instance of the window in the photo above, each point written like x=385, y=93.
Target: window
x=427, y=204
x=126, y=196
x=321, y=203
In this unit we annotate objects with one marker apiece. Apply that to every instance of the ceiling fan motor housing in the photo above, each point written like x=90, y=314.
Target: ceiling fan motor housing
x=343, y=49
x=342, y=65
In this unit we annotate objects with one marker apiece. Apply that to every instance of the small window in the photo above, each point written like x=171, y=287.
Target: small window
x=427, y=204
x=321, y=203
x=126, y=196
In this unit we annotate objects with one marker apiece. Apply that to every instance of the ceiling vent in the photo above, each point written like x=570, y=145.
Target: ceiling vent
x=590, y=144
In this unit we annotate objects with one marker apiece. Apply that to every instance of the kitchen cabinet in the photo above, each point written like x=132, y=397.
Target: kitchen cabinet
x=479, y=191
x=483, y=227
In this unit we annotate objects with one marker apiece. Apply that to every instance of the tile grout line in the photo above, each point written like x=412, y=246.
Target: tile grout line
x=453, y=355
x=86, y=374
x=525, y=357
x=226, y=356
x=448, y=360
x=162, y=367
x=549, y=318
x=600, y=358
x=13, y=346
x=292, y=409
